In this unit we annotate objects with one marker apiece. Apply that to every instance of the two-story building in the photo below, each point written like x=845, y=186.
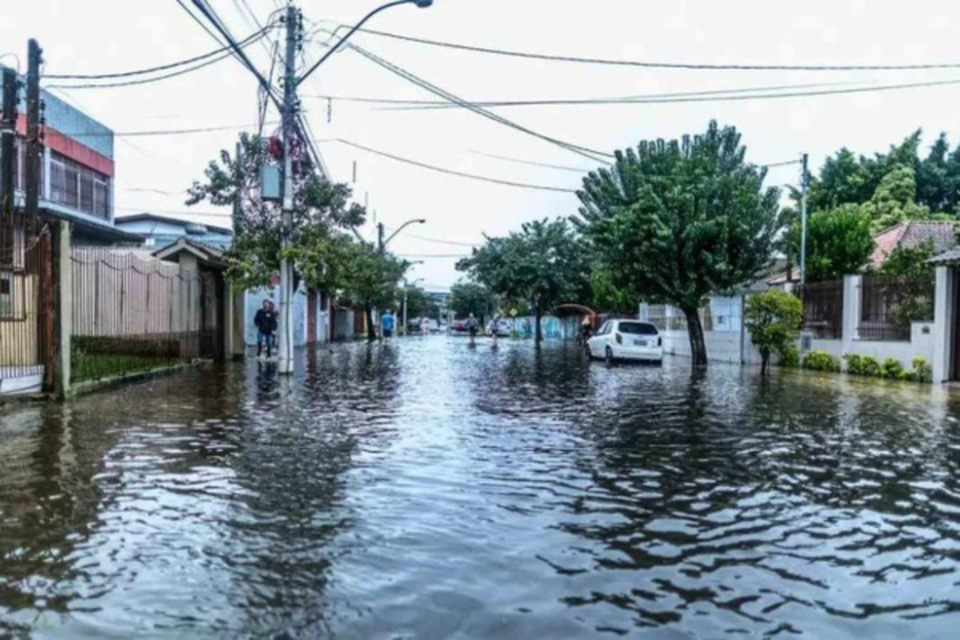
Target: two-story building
x=77, y=172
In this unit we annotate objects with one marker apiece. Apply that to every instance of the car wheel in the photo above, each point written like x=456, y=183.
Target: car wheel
x=608, y=355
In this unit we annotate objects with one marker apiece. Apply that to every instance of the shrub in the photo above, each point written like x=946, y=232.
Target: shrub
x=891, y=369
x=821, y=361
x=871, y=367
x=922, y=370
x=773, y=319
x=790, y=358
x=854, y=364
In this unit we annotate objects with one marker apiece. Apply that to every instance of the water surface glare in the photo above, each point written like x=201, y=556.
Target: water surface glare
x=425, y=490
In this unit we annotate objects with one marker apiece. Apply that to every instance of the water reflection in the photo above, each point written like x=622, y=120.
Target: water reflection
x=424, y=489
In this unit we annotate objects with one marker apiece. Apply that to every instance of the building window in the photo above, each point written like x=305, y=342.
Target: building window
x=78, y=187
x=11, y=296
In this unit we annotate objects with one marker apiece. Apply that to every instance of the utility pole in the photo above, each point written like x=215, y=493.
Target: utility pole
x=34, y=135
x=803, y=221
x=380, y=244
x=8, y=140
x=290, y=108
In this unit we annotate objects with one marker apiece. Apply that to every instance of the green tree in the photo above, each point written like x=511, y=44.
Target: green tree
x=674, y=221
x=894, y=201
x=369, y=279
x=910, y=261
x=773, y=319
x=417, y=302
x=839, y=243
x=543, y=263
x=471, y=297
x=322, y=211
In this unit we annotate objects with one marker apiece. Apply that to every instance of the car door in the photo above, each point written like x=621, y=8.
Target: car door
x=599, y=342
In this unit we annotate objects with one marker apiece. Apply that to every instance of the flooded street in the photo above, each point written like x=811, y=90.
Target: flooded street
x=425, y=490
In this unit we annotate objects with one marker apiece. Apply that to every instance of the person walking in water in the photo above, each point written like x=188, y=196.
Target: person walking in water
x=495, y=329
x=266, y=323
x=387, y=323
x=472, y=327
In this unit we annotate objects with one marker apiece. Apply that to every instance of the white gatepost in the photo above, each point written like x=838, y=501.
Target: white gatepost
x=851, y=312
x=944, y=309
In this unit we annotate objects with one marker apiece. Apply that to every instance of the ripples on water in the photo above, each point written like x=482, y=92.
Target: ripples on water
x=424, y=490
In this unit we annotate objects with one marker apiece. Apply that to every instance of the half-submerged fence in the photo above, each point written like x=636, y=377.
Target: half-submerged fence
x=133, y=313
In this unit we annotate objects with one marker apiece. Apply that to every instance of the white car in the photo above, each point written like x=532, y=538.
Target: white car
x=627, y=340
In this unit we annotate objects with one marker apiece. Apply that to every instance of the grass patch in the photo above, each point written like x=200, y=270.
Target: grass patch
x=87, y=367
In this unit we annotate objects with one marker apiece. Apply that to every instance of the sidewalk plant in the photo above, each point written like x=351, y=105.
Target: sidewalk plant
x=821, y=361
x=773, y=319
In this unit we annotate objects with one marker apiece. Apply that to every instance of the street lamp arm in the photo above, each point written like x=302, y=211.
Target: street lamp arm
x=402, y=227
x=336, y=47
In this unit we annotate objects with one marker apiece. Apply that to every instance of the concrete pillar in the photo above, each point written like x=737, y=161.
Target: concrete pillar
x=851, y=311
x=63, y=307
x=236, y=327
x=943, y=323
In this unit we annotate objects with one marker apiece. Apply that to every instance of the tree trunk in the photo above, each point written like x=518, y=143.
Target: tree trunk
x=538, y=330
x=371, y=330
x=764, y=361
x=698, y=346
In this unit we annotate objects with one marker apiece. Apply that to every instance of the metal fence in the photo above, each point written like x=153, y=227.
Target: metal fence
x=26, y=302
x=823, y=309
x=889, y=304
x=133, y=313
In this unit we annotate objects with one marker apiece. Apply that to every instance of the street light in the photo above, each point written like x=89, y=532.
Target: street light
x=383, y=243
x=422, y=4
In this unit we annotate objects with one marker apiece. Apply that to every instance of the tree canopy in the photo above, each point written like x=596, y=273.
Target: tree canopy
x=839, y=242
x=471, y=297
x=543, y=263
x=322, y=212
x=674, y=221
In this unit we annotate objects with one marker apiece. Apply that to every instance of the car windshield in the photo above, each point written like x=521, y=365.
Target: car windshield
x=638, y=328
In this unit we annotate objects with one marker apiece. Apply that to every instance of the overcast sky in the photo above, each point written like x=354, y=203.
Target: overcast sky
x=100, y=36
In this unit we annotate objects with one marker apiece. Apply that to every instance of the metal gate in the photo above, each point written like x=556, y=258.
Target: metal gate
x=26, y=304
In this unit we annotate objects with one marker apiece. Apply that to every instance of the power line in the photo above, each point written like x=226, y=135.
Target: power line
x=161, y=132
x=129, y=83
x=662, y=65
x=692, y=97
x=471, y=176
x=140, y=72
x=452, y=243
x=428, y=256
x=585, y=152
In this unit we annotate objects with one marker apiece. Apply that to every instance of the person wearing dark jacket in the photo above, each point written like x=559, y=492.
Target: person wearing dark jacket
x=266, y=323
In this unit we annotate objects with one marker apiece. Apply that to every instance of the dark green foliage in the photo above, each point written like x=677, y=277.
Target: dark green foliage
x=910, y=261
x=839, y=243
x=469, y=297
x=891, y=369
x=674, y=221
x=922, y=369
x=773, y=319
x=847, y=178
x=543, y=263
x=821, y=361
x=322, y=210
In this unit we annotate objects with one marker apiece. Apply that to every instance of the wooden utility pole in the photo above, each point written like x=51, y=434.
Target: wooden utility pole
x=8, y=141
x=34, y=129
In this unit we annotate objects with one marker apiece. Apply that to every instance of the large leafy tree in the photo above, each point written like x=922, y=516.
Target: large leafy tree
x=322, y=213
x=369, y=279
x=543, y=263
x=839, y=242
x=471, y=297
x=674, y=221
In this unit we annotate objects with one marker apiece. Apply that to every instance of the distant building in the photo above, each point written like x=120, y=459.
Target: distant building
x=160, y=231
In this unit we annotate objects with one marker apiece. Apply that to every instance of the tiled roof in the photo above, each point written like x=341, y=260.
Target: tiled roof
x=907, y=234
x=913, y=234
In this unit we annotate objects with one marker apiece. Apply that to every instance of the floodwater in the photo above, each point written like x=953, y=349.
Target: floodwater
x=425, y=490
